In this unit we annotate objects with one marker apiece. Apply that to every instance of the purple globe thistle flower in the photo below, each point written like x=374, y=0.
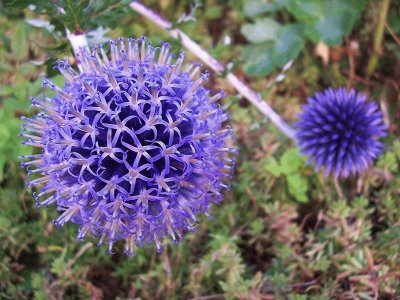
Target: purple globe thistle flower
x=132, y=147
x=339, y=130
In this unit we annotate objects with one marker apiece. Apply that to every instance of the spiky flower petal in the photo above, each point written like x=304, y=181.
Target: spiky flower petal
x=339, y=131
x=132, y=147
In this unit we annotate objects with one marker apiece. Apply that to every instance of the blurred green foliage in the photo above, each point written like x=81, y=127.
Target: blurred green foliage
x=275, y=44
x=73, y=15
x=282, y=232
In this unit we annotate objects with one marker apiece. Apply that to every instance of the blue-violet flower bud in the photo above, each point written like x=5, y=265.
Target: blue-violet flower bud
x=339, y=131
x=132, y=147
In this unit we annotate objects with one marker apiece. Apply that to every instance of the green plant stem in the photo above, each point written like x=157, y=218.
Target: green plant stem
x=378, y=37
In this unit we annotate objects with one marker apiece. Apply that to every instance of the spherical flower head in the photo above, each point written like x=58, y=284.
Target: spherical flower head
x=339, y=131
x=132, y=147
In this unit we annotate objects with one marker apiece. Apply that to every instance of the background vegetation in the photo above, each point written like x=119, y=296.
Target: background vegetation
x=282, y=232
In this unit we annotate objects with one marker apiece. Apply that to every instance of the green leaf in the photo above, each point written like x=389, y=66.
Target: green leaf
x=272, y=166
x=254, y=8
x=285, y=252
x=331, y=30
x=262, y=59
x=19, y=44
x=59, y=264
x=298, y=186
x=323, y=264
x=327, y=21
x=262, y=30
x=306, y=10
x=258, y=59
x=40, y=295
x=257, y=226
x=74, y=13
x=289, y=44
x=291, y=161
x=388, y=161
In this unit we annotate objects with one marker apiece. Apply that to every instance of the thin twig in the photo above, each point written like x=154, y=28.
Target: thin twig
x=216, y=66
x=394, y=36
x=82, y=250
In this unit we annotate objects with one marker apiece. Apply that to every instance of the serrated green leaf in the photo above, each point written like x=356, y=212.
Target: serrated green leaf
x=285, y=251
x=40, y=295
x=58, y=265
x=257, y=226
x=37, y=281
x=298, y=186
x=291, y=161
x=323, y=264
x=74, y=14
x=272, y=166
x=262, y=30
x=388, y=161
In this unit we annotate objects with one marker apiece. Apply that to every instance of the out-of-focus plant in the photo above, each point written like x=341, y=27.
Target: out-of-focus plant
x=289, y=166
x=72, y=15
x=274, y=43
x=16, y=75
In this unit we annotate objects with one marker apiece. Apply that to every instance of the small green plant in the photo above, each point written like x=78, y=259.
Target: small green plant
x=289, y=166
